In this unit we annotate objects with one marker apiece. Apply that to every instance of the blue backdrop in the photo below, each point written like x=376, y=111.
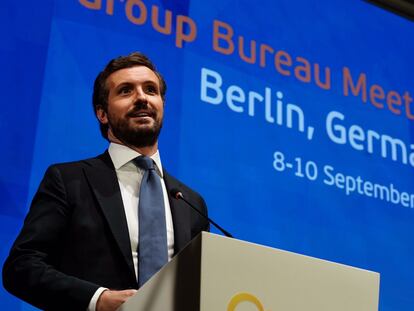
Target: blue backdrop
x=293, y=119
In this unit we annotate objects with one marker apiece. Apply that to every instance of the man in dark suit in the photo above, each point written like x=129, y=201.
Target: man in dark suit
x=78, y=248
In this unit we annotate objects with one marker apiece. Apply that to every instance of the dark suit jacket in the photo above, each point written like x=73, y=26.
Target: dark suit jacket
x=75, y=236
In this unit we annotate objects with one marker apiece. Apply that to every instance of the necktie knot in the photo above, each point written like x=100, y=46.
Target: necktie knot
x=144, y=162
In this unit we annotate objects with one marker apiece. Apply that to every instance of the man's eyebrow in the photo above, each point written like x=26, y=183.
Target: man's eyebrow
x=125, y=83
x=129, y=83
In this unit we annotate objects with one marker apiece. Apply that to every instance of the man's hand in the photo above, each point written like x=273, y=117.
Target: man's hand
x=110, y=300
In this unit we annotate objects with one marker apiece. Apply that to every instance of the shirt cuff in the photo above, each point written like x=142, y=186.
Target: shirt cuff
x=94, y=299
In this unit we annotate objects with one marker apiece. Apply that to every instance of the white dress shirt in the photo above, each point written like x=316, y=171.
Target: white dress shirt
x=129, y=179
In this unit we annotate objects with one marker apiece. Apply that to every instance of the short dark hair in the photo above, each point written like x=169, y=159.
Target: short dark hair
x=100, y=90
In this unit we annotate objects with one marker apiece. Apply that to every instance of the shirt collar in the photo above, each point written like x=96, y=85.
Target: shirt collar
x=121, y=155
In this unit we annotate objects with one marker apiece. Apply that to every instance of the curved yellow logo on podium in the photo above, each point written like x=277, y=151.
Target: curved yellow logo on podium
x=244, y=297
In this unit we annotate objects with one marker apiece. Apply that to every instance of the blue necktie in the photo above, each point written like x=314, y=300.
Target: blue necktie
x=152, y=244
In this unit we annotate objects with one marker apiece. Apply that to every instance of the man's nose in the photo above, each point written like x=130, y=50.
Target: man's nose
x=141, y=95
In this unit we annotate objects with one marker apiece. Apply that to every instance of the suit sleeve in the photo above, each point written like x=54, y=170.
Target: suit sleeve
x=31, y=272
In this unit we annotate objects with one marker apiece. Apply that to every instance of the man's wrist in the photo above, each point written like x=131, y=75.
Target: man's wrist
x=94, y=299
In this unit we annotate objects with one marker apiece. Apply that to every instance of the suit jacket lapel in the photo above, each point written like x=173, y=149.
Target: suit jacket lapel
x=102, y=178
x=180, y=214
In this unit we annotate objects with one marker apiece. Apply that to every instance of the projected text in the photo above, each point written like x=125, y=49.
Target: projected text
x=238, y=100
x=349, y=184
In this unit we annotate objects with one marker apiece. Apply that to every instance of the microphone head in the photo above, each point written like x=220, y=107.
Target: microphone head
x=176, y=193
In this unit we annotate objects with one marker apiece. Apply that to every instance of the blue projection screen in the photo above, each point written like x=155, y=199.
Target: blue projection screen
x=294, y=119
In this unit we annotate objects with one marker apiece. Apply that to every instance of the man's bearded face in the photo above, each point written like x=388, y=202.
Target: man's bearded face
x=135, y=107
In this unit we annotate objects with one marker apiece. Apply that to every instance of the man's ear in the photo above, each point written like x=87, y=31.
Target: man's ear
x=101, y=115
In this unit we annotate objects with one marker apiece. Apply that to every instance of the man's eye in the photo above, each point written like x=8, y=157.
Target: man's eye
x=124, y=90
x=151, y=89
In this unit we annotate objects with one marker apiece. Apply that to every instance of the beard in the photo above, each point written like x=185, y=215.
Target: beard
x=136, y=135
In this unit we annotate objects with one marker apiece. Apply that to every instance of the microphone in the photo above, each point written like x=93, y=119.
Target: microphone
x=177, y=194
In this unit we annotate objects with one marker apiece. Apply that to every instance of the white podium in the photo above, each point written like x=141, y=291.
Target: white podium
x=215, y=273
